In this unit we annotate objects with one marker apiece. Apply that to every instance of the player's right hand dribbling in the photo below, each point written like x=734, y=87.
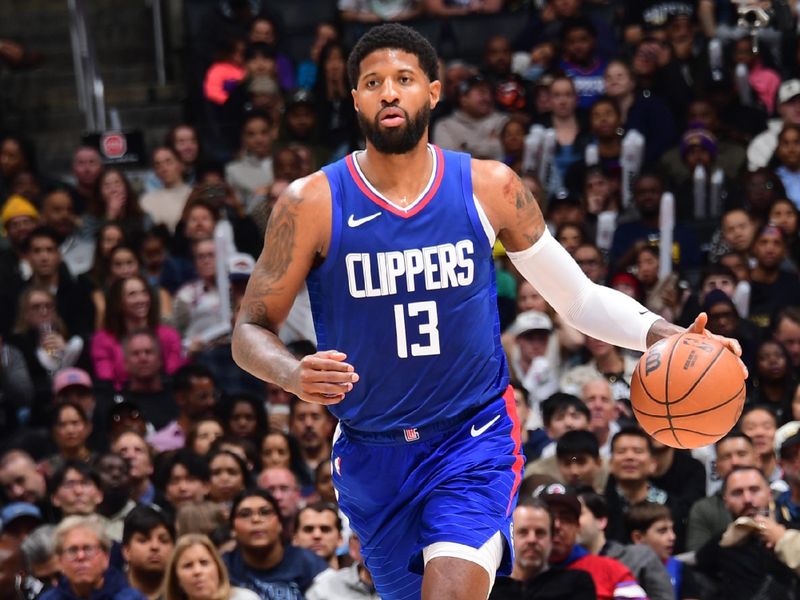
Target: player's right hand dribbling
x=324, y=377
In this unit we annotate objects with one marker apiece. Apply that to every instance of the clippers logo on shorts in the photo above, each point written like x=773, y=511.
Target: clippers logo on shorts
x=411, y=435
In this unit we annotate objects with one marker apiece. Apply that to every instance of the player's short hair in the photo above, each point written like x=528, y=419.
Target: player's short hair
x=397, y=37
x=559, y=403
x=143, y=519
x=576, y=442
x=319, y=507
x=633, y=431
x=733, y=434
x=642, y=515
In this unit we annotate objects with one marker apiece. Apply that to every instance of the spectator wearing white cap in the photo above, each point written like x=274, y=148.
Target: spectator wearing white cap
x=217, y=357
x=528, y=360
x=763, y=146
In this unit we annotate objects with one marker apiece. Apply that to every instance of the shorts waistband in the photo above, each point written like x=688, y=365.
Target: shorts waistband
x=412, y=434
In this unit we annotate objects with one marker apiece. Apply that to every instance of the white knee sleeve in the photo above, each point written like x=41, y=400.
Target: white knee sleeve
x=487, y=556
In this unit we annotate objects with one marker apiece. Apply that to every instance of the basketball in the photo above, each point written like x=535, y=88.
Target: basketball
x=687, y=390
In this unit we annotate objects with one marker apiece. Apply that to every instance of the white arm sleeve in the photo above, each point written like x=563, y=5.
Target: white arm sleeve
x=596, y=310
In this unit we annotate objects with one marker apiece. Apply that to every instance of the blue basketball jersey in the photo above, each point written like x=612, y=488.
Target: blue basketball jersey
x=409, y=295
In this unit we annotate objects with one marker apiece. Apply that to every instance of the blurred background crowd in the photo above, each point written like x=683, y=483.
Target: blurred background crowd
x=662, y=141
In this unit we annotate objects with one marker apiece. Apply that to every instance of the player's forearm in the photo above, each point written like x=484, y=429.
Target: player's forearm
x=261, y=353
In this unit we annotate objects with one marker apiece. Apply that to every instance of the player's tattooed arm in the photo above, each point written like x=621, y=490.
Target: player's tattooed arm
x=297, y=235
x=511, y=207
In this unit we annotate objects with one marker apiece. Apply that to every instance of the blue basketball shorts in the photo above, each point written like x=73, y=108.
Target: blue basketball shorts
x=455, y=481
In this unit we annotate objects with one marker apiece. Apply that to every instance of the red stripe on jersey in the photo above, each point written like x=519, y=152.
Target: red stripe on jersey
x=519, y=460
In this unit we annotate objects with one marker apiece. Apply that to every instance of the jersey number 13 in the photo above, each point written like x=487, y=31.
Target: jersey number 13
x=428, y=327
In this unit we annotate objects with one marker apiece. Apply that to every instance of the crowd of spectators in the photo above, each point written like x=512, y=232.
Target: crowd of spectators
x=139, y=460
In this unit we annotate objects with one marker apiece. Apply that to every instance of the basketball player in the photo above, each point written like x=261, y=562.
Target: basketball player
x=395, y=244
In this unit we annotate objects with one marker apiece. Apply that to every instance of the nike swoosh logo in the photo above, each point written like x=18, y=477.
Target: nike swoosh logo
x=353, y=222
x=476, y=432
x=643, y=312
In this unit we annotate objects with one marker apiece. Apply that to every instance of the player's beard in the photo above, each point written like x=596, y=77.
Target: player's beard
x=396, y=140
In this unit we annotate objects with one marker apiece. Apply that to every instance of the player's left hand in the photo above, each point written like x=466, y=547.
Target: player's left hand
x=699, y=327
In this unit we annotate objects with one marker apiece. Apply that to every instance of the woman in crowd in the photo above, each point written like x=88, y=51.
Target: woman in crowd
x=44, y=340
x=280, y=449
x=334, y=105
x=202, y=436
x=184, y=141
x=512, y=137
x=166, y=205
x=109, y=236
x=785, y=215
x=131, y=306
x=70, y=429
x=196, y=572
x=244, y=416
x=123, y=262
x=786, y=161
x=115, y=200
x=198, y=314
x=571, y=236
x=642, y=111
x=772, y=384
x=229, y=476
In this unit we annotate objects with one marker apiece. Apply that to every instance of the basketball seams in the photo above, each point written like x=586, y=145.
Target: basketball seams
x=700, y=377
x=644, y=387
x=666, y=390
x=693, y=414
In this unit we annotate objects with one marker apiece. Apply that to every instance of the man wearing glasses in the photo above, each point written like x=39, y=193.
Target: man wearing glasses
x=82, y=548
x=261, y=561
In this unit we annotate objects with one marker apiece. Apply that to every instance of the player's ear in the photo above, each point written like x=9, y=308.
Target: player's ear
x=355, y=99
x=435, y=93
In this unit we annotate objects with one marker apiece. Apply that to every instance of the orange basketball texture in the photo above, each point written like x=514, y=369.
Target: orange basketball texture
x=687, y=390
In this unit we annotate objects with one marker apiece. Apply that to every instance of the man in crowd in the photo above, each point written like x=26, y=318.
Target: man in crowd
x=146, y=385
x=611, y=578
x=115, y=483
x=148, y=538
x=641, y=560
x=763, y=146
x=40, y=555
x=319, y=529
x=604, y=413
x=631, y=467
x=282, y=484
x=475, y=125
x=18, y=217
x=741, y=564
x=787, y=448
x=195, y=397
x=86, y=168
x=187, y=478
x=350, y=583
x=262, y=562
x=20, y=479
x=77, y=249
x=134, y=449
x=312, y=426
x=75, y=489
x=532, y=576
x=710, y=515
x=83, y=548
x=786, y=330
x=560, y=413
x=73, y=294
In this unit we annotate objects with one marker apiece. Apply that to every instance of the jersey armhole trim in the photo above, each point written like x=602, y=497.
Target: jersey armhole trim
x=487, y=226
x=336, y=224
